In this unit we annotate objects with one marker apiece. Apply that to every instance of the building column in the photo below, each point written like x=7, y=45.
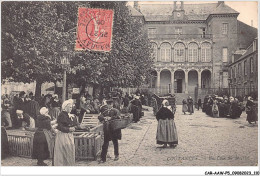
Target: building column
x=172, y=54
x=186, y=54
x=158, y=81
x=186, y=81
x=199, y=54
x=199, y=78
x=172, y=81
x=212, y=79
x=158, y=55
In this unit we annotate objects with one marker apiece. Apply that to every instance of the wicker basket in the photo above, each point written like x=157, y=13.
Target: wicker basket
x=119, y=123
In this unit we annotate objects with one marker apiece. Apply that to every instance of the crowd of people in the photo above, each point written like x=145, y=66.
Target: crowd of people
x=22, y=110
x=54, y=122
x=229, y=107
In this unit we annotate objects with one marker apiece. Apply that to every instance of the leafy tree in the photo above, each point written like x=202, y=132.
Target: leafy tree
x=33, y=34
x=129, y=61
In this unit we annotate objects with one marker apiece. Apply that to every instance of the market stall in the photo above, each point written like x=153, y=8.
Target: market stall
x=88, y=142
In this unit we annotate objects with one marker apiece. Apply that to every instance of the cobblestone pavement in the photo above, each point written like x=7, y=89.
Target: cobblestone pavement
x=203, y=141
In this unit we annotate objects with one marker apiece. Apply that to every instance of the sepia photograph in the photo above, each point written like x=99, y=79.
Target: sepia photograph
x=130, y=83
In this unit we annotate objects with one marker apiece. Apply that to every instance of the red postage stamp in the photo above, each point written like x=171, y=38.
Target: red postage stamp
x=94, y=30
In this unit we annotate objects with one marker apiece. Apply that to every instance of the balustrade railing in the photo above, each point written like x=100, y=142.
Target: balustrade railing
x=180, y=36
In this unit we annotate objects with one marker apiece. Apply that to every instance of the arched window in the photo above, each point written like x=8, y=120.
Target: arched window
x=205, y=52
x=155, y=48
x=165, y=52
x=193, y=49
x=179, y=52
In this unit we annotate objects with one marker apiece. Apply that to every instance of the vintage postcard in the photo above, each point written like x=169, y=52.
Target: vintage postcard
x=130, y=83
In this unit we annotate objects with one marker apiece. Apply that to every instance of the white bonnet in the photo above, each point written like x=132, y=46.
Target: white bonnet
x=55, y=96
x=66, y=103
x=19, y=111
x=249, y=98
x=43, y=110
x=165, y=103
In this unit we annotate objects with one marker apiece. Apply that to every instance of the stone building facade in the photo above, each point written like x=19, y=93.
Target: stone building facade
x=192, y=44
x=243, y=71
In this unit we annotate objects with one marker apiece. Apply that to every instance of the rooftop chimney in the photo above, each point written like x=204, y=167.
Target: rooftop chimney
x=252, y=23
x=220, y=2
x=174, y=5
x=136, y=6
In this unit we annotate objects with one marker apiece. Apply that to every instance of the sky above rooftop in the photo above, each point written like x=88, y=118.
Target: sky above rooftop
x=248, y=9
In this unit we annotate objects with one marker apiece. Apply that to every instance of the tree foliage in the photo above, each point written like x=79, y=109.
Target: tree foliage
x=33, y=34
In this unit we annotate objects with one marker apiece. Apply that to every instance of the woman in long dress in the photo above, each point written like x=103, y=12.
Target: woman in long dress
x=166, y=129
x=251, y=110
x=235, y=111
x=64, y=150
x=190, y=105
x=43, y=141
x=215, y=109
x=154, y=105
x=184, y=106
x=4, y=139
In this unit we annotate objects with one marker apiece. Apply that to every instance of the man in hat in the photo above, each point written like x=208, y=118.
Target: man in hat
x=126, y=100
x=109, y=113
x=55, y=101
x=21, y=101
x=32, y=108
x=136, y=108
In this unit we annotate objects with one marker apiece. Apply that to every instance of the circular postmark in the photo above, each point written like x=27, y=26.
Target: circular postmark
x=95, y=29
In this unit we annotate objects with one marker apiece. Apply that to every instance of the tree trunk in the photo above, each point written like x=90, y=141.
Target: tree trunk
x=101, y=90
x=83, y=86
x=105, y=89
x=96, y=89
x=67, y=92
x=38, y=90
x=55, y=88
